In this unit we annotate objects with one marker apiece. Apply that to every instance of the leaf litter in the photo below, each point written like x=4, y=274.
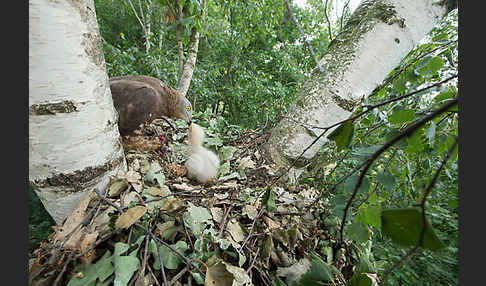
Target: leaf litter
x=221, y=233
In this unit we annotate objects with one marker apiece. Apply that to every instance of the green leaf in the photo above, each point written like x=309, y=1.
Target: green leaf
x=386, y=179
x=338, y=210
x=364, y=265
x=279, y=282
x=414, y=142
x=372, y=215
x=365, y=152
x=400, y=84
x=445, y=96
x=155, y=174
x=319, y=271
x=363, y=279
x=404, y=226
x=401, y=116
x=125, y=266
x=170, y=259
x=343, y=135
x=226, y=152
x=351, y=182
x=104, y=267
x=197, y=218
x=269, y=200
x=431, y=133
x=120, y=248
x=89, y=275
x=357, y=231
x=214, y=141
x=430, y=65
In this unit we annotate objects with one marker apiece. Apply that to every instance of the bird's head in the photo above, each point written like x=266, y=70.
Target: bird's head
x=184, y=110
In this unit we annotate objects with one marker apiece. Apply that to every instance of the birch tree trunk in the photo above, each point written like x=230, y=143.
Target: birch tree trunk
x=74, y=144
x=374, y=41
x=180, y=45
x=148, y=15
x=185, y=76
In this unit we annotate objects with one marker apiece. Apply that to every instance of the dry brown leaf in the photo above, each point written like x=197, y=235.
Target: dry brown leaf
x=177, y=170
x=88, y=242
x=217, y=275
x=271, y=223
x=172, y=204
x=183, y=187
x=131, y=216
x=74, y=219
x=234, y=228
x=131, y=176
x=246, y=162
x=250, y=211
x=157, y=192
x=217, y=214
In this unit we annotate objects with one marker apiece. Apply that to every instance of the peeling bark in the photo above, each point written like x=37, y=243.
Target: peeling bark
x=356, y=62
x=74, y=144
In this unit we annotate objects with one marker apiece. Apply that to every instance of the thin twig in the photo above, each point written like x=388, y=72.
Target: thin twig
x=342, y=14
x=262, y=209
x=136, y=15
x=253, y=261
x=186, y=260
x=71, y=255
x=422, y=205
x=153, y=275
x=223, y=221
x=302, y=34
x=141, y=271
x=164, y=278
x=328, y=21
x=178, y=275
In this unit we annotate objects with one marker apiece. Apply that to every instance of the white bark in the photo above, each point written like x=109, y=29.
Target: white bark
x=185, y=76
x=76, y=146
x=378, y=35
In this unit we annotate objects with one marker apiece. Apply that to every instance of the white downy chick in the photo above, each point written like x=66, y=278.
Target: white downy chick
x=202, y=164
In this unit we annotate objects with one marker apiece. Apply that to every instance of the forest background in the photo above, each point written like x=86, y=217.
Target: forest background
x=251, y=61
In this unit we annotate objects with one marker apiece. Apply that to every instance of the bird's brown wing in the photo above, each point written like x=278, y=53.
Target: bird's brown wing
x=135, y=103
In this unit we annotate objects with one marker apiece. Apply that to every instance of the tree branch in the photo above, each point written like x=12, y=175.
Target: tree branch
x=328, y=22
x=410, y=130
x=422, y=206
x=302, y=34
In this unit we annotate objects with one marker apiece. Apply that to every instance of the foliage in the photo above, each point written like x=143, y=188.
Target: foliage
x=251, y=63
x=398, y=178
x=40, y=222
x=250, y=56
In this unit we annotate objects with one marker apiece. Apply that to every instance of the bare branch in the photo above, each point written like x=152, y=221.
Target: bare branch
x=328, y=21
x=342, y=14
x=302, y=34
x=180, y=46
x=136, y=15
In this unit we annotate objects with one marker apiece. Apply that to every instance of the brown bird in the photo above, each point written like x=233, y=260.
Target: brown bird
x=139, y=99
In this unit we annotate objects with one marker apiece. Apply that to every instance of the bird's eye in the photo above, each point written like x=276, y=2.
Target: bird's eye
x=188, y=108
